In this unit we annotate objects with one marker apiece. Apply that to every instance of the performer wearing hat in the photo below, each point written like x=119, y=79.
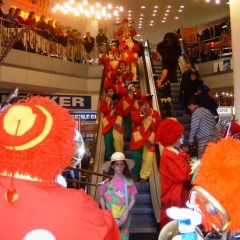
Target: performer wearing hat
x=145, y=122
x=36, y=144
x=131, y=94
x=174, y=168
x=112, y=125
x=118, y=195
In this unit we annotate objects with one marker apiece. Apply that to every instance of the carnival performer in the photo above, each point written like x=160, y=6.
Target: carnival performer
x=145, y=122
x=118, y=195
x=36, y=144
x=174, y=168
x=131, y=94
x=111, y=65
x=129, y=45
x=164, y=88
x=112, y=125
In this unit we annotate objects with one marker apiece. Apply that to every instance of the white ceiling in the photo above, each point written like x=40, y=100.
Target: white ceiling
x=196, y=13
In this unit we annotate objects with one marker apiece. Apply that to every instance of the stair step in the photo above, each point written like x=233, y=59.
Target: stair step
x=142, y=209
x=143, y=230
x=143, y=198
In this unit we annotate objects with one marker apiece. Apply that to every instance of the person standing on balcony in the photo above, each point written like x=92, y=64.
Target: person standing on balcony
x=89, y=42
x=2, y=15
x=101, y=40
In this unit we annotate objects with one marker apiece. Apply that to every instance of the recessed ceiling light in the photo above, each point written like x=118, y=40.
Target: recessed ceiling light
x=139, y=27
x=182, y=6
x=163, y=21
x=154, y=15
x=167, y=10
x=140, y=18
x=143, y=7
x=176, y=17
x=180, y=10
x=154, y=10
x=129, y=11
x=166, y=14
x=156, y=7
x=141, y=14
x=169, y=6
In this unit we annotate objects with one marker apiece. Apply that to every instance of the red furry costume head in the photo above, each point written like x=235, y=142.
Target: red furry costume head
x=27, y=130
x=219, y=173
x=169, y=131
x=147, y=98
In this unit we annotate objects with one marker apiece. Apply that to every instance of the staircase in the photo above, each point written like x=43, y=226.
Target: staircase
x=143, y=224
x=177, y=107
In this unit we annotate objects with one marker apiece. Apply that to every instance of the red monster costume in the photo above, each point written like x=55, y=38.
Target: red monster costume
x=36, y=144
x=218, y=174
x=174, y=169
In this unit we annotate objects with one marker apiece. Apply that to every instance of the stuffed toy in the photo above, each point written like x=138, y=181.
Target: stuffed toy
x=187, y=220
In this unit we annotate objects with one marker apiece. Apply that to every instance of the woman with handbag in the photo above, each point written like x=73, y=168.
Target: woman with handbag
x=118, y=195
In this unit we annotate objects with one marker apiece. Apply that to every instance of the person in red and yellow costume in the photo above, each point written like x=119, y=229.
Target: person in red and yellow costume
x=131, y=94
x=145, y=122
x=111, y=65
x=112, y=124
x=174, y=168
x=128, y=45
x=36, y=144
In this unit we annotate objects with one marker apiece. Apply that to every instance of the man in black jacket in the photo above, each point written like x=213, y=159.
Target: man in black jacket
x=101, y=40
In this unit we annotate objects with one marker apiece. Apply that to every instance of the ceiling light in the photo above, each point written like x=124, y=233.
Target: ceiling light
x=182, y=6
x=84, y=7
x=143, y=7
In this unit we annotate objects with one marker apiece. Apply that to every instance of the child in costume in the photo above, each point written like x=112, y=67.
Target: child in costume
x=118, y=195
x=174, y=168
x=36, y=144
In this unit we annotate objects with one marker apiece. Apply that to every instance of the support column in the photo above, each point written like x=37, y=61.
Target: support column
x=235, y=29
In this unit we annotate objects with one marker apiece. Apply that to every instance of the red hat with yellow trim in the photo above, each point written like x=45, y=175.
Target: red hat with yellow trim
x=37, y=139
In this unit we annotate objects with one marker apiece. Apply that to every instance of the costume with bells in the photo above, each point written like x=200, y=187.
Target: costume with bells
x=174, y=168
x=36, y=144
x=145, y=122
x=118, y=195
x=112, y=124
x=131, y=94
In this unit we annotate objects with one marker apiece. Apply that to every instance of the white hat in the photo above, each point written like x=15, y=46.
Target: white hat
x=118, y=156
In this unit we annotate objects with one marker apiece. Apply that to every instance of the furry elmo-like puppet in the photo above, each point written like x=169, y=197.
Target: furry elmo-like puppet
x=219, y=175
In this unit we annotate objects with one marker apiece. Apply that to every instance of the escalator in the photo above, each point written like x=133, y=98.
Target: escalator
x=146, y=212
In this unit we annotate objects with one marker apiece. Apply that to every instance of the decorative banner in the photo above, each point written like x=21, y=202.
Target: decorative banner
x=67, y=101
x=189, y=34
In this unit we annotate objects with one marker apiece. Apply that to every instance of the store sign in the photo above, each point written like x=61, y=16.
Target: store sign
x=224, y=110
x=67, y=101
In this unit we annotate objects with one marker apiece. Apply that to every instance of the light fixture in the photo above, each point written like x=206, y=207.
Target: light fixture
x=89, y=9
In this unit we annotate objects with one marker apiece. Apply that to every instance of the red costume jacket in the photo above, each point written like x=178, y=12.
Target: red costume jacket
x=143, y=131
x=112, y=117
x=175, y=182
x=62, y=213
x=130, y=98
